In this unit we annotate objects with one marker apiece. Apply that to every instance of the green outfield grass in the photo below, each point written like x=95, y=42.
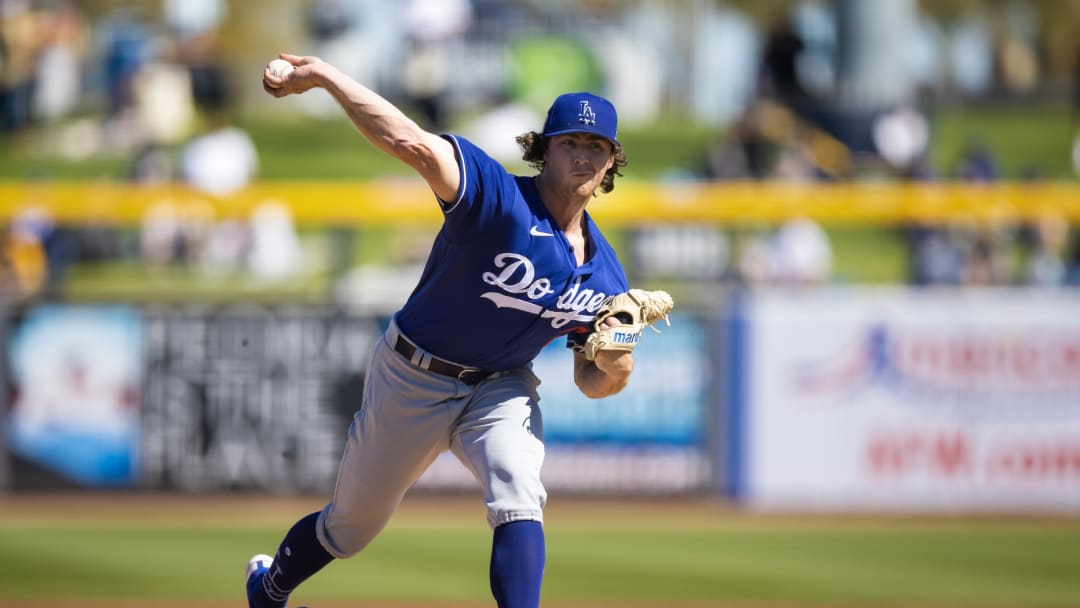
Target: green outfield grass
x=650, y=554
x=1022, y=137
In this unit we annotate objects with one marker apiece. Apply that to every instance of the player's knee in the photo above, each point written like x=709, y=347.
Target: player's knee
x=517, y=507
x=344, y=539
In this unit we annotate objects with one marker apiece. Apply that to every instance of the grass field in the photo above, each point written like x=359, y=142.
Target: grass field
x=1021, y=138
x=59, y=550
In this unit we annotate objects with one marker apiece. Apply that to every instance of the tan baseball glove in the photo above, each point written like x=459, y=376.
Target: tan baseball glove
x=636, y=309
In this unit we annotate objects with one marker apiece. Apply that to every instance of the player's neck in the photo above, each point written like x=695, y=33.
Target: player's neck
x=568, y=208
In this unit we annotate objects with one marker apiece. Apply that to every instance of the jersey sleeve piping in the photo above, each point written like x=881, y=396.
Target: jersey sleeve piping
x=449, y=206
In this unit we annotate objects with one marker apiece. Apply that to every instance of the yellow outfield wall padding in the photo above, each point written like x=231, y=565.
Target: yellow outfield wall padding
x=405, y=200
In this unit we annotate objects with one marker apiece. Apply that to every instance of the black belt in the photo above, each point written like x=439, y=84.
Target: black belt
x=468, y=375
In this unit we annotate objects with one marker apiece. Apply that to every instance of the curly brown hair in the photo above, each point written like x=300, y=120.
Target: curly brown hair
x=534, y=146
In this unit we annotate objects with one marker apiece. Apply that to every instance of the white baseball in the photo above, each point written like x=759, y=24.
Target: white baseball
x=280, y=68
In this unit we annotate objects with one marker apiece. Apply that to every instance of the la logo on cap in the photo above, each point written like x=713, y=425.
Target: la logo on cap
x=586, y=116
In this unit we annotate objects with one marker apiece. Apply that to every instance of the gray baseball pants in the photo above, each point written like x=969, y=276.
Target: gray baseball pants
x=407, y=417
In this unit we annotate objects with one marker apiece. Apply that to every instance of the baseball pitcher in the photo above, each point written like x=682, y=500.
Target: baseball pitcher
x=518, y=262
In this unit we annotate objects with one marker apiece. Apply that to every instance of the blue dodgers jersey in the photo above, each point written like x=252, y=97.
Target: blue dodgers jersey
x=501, y=281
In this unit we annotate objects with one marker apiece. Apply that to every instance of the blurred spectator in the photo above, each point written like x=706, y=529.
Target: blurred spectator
x=24, y=266
x=770, y=142
x=1076, y=113
x=754, y=145
x=935, y=258
x=1072, y=261
x=985, y=260
x=161, y=111
x=753, y=263
x=59, y=67
x=724, y=46
x=435, y=29
x=1076, y=153
x=1076, y=88
x=970, y=55
x=632, y=57
x=227, y=247
x=1017, y=54
x=201, y=55
x=42, y=251
x=188, y=18
x=275, y=248
x=489, y=128
x=978, y=163
x=795, y=161
x=796, y=254
x=175, y=231
x=1047, y=242
x=362, y=37
x=127, y=43
x=9, y=276
x=902, y=138
x=19, y=46
x=942, y=254
x=221, y=160
x=327, y=19
x=160, y=238
x=801, y=253
x=780, y=62
x=152, y=165
x=1019, y=65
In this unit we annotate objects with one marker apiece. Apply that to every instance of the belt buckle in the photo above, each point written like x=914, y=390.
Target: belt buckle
x=472, y=376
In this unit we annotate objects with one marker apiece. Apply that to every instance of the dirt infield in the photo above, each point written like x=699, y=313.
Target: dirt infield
x=261, y=509
x=258, y=510
x=463, y=511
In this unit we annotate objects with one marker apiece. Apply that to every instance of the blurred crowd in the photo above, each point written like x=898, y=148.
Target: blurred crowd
x=149, y=89
x=820, y=91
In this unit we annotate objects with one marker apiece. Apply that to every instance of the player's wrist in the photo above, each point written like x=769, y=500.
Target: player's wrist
x=617, y=364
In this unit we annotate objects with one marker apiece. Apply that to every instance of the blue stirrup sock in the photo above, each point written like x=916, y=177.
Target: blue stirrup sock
x=517, y=564
x=298, y=557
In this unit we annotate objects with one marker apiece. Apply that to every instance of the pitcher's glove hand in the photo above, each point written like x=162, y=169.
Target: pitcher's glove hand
x=636, y=310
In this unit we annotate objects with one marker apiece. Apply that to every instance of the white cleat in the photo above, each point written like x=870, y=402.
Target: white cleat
x=257, y=567
x=256, y=563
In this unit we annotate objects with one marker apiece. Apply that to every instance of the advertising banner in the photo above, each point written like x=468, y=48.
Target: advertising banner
x=898, y=399
x=255, y=398
x=212, y=398
x=649, y=438
x=73, y=411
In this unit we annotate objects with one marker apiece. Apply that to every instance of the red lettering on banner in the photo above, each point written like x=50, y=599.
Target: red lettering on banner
x=899, y=455
x=1071, y=359
x=951, y=455
x=1026, y=362
x=1005, y=362
x=969, y=358
x=1030, y=462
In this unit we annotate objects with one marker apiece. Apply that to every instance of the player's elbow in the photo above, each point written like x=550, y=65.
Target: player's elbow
x=415, y=147
x=409, y=150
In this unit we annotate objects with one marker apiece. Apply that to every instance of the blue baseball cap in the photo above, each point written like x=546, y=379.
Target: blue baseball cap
x=582, y=113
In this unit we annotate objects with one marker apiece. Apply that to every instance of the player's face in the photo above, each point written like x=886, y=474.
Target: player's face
x=579, y=160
